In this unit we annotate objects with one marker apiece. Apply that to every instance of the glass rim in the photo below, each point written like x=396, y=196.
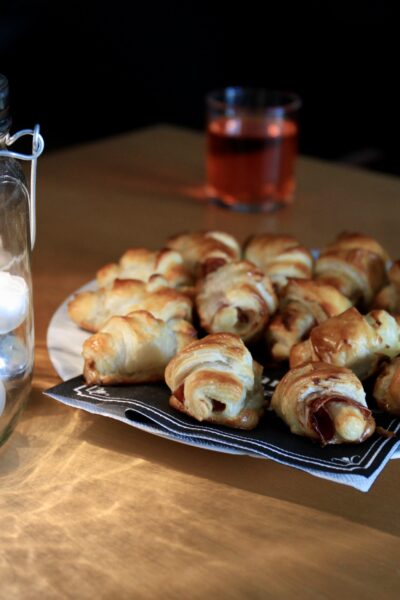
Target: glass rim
x=223, y=98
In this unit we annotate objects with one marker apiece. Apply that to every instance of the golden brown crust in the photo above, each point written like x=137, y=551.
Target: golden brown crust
x=133, y=349
x=351, y=340
x=303, y=303
x=91, y=310
x=356, y=265
x=247, y=419
x=387, y=388
x=324, y=402
x=279, y=257
x=142, y=264
x=215, y=379
x=237, y=298
x=355, y=240
x=389, y=297
x=204, y=251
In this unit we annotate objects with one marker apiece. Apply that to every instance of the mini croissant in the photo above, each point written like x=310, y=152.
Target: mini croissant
x=303, y=303
x=358, y=241
x=237, y=298
x=216, y=379
x=351, y=340
x=134, y=349
x=389, y=297
x=324, y=402
x=279, y=257
x=143, y=264
x=387, y=387
x=91, y=310
x=203, y=252
x=356, y=265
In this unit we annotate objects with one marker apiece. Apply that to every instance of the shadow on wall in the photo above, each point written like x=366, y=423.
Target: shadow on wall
x=85, y=74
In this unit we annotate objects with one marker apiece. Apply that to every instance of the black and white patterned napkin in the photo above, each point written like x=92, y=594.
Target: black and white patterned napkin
x=146, y=407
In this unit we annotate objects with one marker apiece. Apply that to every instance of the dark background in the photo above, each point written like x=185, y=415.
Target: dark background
x=90, y=69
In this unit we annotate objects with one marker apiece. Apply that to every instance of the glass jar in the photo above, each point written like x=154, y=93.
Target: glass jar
x=16, y=239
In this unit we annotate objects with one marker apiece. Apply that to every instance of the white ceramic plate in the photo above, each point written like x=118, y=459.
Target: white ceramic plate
x=65, y=339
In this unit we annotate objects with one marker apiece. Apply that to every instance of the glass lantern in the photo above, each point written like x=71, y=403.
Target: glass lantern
x=17, y=236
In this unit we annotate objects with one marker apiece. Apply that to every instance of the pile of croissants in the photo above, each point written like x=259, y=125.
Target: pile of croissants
x=190, y=313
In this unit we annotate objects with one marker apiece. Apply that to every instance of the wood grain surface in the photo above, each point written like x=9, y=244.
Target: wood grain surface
x=92, y=508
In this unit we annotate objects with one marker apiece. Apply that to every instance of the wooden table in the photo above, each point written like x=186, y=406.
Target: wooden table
x=92, y=508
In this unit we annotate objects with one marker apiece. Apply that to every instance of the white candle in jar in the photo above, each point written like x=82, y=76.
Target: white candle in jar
x=14, y=301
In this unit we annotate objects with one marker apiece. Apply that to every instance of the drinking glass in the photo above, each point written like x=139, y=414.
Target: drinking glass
x=252, y=144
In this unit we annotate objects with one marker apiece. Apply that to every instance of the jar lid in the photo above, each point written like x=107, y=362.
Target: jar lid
x=5, y=119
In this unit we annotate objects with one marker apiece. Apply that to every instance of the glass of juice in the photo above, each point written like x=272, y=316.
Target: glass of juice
x=252, y=139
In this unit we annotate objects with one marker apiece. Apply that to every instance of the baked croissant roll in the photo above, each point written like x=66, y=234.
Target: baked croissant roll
x=356, y=265
x=236, y=298
x=389, y=297
x=303, y=303
x=387, y=387
x=216, y=379
x=324, y=402
x=351, y=340
x=353, y=241
x=204, y=252
x=91, y=310
x=133, y=349
x=279, y=257
x=143, y=264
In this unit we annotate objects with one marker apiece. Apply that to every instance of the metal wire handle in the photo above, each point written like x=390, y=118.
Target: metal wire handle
x=37, y=149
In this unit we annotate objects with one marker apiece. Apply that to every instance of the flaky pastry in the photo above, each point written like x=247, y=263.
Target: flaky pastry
x=387, y=387
x=143, y=264
x=351, y=340
x=91, y=310
x=236, y=298
x=356, y=265
x=134, y=349
x=303, y=303
x=204, y=252
x=216, y=379
x=279, y=257
x=324, y=402
x=389, y=297
x=358, y=241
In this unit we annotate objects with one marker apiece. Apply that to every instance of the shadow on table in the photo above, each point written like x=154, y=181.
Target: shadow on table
x=70, y=428
x=254, y=475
